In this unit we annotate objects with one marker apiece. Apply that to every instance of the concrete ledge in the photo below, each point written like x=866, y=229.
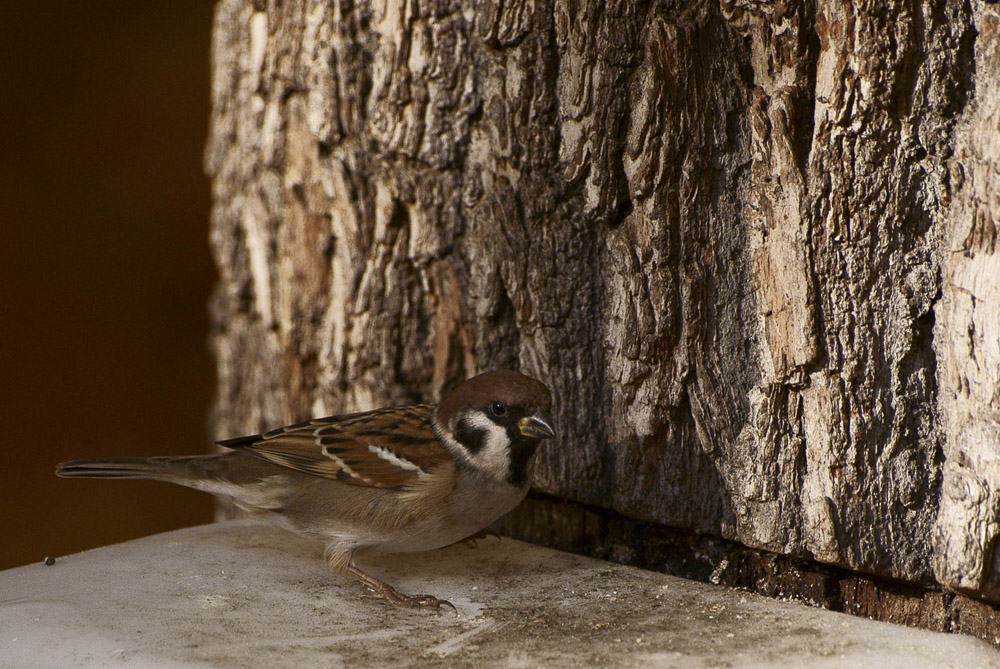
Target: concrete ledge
x=245, y=594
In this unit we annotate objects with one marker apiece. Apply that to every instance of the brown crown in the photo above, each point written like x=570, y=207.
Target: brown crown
x=501, y=385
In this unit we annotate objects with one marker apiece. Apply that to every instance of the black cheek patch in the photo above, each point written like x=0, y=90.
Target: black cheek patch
x=473, y=438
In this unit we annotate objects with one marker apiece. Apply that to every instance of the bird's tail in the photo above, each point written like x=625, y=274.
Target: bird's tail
x=171, y=469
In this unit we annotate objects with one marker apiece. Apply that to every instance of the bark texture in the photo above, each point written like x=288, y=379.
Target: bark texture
x=751, y=247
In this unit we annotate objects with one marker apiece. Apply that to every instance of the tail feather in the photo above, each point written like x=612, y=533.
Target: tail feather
x=157, y=468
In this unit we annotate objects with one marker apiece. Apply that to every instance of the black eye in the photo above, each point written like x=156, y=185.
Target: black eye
x=498, y=408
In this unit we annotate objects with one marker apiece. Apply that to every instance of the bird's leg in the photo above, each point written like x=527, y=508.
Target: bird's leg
x=385, y=590
x=473, y=538
x=341, y=562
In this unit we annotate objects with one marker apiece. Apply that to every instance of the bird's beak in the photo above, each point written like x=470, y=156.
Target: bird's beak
x=536, y=426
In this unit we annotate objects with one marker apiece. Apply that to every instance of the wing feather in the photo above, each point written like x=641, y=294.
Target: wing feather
x=384, y=448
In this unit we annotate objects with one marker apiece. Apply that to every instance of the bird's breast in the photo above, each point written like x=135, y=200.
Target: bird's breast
x=478, y=501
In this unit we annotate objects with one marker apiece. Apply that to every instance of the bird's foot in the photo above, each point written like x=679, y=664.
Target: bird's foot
x=419, y=601
x=383, y=589
x=472, y=539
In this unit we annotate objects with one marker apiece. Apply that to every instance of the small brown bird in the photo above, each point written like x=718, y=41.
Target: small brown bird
x=391, y=480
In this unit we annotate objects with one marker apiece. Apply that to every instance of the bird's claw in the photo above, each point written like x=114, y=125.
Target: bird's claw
x=411, y=601
x=427, y=602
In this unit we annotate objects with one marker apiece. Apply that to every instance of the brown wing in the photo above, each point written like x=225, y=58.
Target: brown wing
x=385, y=448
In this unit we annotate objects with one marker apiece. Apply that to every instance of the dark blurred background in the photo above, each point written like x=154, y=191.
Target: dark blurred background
x=105, y=269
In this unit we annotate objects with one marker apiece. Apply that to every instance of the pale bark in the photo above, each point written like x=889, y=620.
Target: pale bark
x=967, y=336
x=751, y=247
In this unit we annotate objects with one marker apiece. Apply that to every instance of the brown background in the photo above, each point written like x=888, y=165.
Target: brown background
x=105, y=268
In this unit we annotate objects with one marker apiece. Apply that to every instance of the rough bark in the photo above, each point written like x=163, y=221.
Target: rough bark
x=751, y=247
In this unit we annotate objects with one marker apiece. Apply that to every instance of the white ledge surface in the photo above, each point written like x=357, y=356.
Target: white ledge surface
x=244, y=594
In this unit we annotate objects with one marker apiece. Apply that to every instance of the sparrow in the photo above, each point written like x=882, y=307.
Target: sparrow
x=392, y=480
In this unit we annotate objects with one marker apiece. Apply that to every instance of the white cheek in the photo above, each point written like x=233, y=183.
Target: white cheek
x=494, y=456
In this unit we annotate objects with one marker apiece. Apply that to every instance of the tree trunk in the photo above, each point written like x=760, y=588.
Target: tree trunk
x=751, y=248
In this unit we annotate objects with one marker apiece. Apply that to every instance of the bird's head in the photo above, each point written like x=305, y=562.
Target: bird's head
x=495, y=421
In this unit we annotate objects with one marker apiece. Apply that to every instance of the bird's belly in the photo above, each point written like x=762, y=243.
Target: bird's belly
x=472, y=506
x=426, y=534
x=426, y=537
